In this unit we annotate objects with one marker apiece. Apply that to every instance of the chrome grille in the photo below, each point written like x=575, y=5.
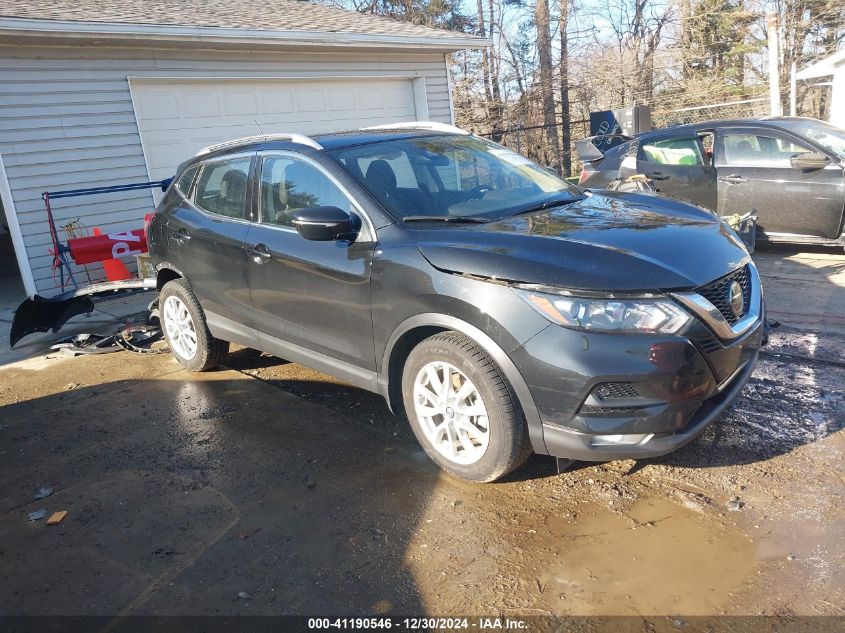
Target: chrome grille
x=717, y=293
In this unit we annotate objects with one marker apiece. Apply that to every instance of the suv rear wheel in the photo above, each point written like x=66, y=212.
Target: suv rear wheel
x=462, y=409
x=184, y=326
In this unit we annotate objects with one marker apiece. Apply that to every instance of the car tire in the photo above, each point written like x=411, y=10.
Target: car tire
x=462, y=409
x=184, y=326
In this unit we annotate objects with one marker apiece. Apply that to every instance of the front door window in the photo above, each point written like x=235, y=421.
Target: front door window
x=758, y=150
x=289, y=184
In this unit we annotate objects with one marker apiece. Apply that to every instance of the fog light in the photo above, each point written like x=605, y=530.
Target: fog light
x=621, y=440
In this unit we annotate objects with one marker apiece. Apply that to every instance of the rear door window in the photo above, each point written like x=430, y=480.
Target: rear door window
x=676, y=151
x=186, y=180
x=221, y=187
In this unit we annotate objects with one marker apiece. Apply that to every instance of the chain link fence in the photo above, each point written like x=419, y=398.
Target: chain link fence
x=758, y=106
x=531, y=140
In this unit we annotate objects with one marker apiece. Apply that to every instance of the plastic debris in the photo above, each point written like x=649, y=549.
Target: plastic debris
x=43, y=492
x=84, y=344
x=57, y=517
x=37, y=515
x=139, y=339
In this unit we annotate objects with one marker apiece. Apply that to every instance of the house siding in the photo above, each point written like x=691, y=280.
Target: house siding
x=67, y=121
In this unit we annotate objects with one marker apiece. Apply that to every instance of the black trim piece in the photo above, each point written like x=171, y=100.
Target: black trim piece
x=229, y=330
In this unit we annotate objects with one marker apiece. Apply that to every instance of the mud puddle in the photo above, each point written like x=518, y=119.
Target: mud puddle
x=655, y=558
x=478, y=552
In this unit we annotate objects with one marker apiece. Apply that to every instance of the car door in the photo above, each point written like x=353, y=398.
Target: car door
x=755, y=174
x=309, y=294
x=678, y=168
x=206, y=234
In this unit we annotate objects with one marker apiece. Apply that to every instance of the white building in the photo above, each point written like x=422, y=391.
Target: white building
x=830, y=69
x=102, y=93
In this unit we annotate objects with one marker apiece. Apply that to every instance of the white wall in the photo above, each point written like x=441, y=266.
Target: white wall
x=67, y=121
x=837, y=103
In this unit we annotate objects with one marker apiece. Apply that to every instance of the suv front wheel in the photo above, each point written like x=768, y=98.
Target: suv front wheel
x=184, y=326
x=462, y=409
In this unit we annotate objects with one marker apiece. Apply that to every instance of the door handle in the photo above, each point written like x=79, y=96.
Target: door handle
x=734, y=179
x=658, y=175
x=182, y=236
x=259, y=253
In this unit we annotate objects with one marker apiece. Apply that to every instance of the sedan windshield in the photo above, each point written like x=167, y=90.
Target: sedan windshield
x=825, y=134
x=440, y=177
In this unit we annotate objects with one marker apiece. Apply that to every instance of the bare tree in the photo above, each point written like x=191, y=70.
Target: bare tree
x=544, y=53
x=565, y=114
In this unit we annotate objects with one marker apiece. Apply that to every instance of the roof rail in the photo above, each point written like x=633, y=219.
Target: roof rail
x=299, y=139
x=434, y=126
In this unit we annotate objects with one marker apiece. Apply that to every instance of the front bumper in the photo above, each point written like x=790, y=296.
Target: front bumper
x=681, y=385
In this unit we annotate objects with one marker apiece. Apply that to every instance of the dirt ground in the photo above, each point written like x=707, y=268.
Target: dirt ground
x=267, y=488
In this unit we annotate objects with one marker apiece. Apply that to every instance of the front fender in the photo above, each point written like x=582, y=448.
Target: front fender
x=512, y=373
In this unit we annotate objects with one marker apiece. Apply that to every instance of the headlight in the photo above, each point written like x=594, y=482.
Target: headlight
x=652, y=316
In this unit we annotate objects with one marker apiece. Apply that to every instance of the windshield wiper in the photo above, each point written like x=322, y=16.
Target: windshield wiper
x=457, y=219
x=547, y=204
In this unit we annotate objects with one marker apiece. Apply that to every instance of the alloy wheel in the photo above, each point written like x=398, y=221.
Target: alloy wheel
x=451, y=413
x=180, y=328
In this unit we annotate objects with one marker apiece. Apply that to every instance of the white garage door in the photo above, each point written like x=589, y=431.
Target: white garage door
x=177, y=118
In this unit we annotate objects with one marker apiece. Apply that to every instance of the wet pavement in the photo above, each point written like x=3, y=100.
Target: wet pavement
x=267, y=488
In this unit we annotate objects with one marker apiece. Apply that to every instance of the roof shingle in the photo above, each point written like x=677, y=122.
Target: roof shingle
x=265, y=15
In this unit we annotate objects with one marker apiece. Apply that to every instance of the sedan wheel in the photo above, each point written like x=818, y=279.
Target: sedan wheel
x=451, y=413
x=180, y=328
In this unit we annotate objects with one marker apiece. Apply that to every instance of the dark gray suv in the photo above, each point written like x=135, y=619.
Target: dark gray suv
x=501, y=309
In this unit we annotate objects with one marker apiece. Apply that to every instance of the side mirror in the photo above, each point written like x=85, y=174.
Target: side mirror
x=809, y=160
x=323, y=224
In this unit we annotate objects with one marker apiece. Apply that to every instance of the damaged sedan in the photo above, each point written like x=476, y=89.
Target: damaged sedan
x=502, y=310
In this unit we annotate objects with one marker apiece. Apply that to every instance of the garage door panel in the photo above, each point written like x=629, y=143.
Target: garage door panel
x=157, y=106
x=370, y=99
x=276, y=102
x=310, y=101
x=176, y=119
x=160, y=157
x=199, y=104
x=239, y=103
x=340, y=98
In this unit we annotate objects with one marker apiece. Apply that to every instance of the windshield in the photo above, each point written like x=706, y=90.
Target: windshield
x=825, y=134
x=451, y=176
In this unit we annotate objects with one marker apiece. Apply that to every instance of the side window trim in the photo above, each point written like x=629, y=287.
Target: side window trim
x=187, y=193
x=259, y=198
x=248, y=206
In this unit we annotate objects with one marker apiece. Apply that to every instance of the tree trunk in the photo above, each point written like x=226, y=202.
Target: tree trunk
x=515, y=61
x=565, y=116
x=496, y=107
x=544, y=50
x=485, y=59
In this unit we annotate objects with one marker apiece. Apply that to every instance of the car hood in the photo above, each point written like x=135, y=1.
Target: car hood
x=605, y=242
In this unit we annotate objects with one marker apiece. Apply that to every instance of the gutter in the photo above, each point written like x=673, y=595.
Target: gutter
x=119, y=32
